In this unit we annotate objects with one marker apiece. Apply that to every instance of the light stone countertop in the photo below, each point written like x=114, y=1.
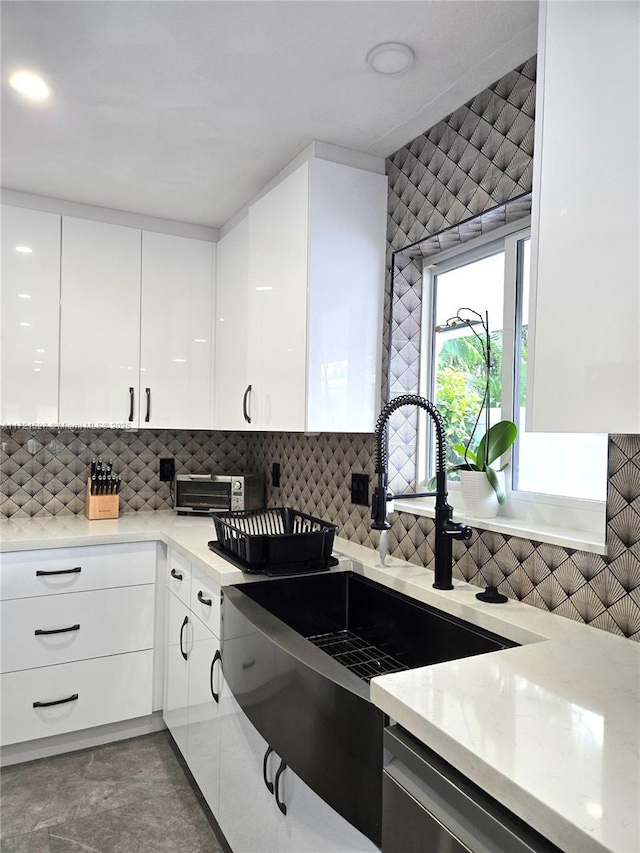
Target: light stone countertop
x=550, y=729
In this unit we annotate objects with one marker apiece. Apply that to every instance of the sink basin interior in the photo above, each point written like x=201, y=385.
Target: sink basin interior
x=367, y=627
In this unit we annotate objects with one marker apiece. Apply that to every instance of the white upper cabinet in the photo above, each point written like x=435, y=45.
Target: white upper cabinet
x=100, y=329
x=315, y=284
x=175, y=355
x=584, y=371
x=135, y=346
x=30, y=282
x=230, y=329
x=277, y=320
x=347, y=239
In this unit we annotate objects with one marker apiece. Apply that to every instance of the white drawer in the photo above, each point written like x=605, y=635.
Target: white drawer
x=107, y=690
x=206, y=600
x=29, y=573
x=179, y=576
x=104, y=622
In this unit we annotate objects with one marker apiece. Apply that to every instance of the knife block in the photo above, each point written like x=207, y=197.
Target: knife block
x=101, y=506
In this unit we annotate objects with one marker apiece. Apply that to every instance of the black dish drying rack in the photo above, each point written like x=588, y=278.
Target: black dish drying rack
x=277, y=541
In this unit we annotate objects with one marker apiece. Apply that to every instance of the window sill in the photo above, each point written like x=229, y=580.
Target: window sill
x=566, y=537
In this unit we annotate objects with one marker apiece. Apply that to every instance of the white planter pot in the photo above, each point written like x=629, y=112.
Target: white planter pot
x=480, y=499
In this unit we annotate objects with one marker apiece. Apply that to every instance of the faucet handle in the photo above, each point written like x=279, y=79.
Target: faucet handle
x=456, y=530
x=379, y=500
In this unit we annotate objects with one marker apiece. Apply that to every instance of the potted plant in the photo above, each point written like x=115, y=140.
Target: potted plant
x=482, y=484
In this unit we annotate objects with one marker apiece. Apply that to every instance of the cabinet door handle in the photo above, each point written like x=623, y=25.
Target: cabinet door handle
x=265, y=761
x=131, y=404
x=276, y=793
x=55, y=702
x=245, y=411
x=42, y=631
x=147, y=391
x=40, y=573
x=202, y=599
x=216, y=657
x=176, y=575
x=184, y=625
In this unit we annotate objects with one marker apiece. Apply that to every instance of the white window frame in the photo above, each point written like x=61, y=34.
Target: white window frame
x=571, y=522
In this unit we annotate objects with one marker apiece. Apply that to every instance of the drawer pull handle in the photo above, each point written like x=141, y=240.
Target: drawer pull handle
x=202, y=599
x=42, y=631
x=276, y=793
x=176, y=575
x=147, y=417
x=55, y=702
x=184, y=625
x=131, y=404
x=248, y=664
x=265, y=762
x=41, y=573
x=216, y=657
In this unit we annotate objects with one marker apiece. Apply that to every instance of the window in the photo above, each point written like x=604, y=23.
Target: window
x=461, y=288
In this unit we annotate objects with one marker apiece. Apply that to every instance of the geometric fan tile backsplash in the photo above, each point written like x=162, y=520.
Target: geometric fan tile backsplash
x=44, y=473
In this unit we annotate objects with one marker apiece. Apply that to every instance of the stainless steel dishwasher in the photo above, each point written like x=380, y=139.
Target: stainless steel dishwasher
x=429, y=807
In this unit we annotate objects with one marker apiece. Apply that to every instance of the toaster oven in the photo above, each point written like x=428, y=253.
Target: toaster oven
x=209, y=493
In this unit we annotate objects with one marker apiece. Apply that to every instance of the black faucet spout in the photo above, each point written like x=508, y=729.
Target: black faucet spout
x=446, y=529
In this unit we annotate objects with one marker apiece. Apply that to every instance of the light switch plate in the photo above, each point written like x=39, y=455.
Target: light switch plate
x=360, y=489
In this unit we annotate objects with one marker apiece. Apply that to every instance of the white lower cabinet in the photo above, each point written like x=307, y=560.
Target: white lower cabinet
x=193, y=673
x=248, y=813
x=52, y=700
x=312, y=826
x=291, y=818
x=203, y=733
x=179, y=641
x=77, y=638
x=59, y=628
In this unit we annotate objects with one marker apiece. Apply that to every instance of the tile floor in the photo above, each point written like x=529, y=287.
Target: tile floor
x=132, y=796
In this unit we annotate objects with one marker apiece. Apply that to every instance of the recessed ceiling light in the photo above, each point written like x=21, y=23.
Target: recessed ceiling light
x=391, y=58
x=24, y=250
x=30, y=85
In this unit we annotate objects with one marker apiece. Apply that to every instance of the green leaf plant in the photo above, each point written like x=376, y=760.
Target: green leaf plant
x=499, y=438
x=491, y=447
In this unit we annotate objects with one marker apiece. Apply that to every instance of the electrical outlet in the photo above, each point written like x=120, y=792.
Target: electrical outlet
x=167, y=470
x=275, y=474
x=360, y=489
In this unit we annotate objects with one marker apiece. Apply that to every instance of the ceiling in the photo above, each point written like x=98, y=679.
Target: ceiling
x=185, y=110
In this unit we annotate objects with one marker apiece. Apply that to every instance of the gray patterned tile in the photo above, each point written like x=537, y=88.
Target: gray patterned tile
x=43, y=793
x=173, y=823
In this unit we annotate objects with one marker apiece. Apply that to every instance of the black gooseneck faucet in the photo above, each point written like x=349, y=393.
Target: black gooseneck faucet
x=446, y=528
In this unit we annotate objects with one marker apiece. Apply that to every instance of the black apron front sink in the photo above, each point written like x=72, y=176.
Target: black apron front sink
x=298, y=654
